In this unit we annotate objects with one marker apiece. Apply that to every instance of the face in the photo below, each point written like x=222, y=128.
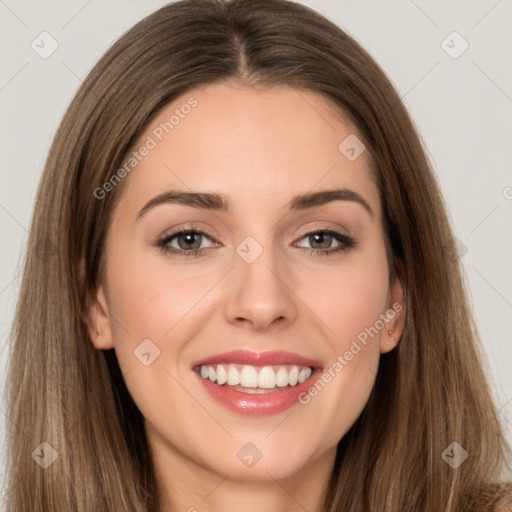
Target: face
x=258, y=328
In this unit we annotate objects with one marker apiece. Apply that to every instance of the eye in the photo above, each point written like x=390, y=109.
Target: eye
x=321, y=242
x=188, y=242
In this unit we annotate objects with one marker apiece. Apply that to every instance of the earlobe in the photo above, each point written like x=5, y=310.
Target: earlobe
x=395, y=314
x=388, y=341
x=100, y=331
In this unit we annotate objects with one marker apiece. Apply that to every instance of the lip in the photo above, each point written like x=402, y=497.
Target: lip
x=258, y=404
x=268, y=358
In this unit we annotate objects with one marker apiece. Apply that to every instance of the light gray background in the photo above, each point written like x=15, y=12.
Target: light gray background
x=461, y=106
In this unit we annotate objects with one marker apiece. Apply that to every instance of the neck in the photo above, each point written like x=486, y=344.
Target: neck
x=186, y=485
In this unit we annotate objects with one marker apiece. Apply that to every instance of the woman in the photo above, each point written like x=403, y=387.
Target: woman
x=193, y=351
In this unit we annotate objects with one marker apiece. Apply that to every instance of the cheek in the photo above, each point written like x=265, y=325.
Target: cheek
x=350, y=302
x=349, y=298
x=155, y=307
x=167, y=304
x=151, y=296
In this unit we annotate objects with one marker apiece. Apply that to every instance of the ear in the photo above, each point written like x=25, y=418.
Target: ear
x=395, y=313
x=100, y=325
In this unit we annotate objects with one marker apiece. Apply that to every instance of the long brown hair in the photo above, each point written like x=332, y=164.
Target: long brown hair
x=430, y=391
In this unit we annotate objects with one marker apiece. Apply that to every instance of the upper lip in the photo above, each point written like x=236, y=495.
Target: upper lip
x=253, y=358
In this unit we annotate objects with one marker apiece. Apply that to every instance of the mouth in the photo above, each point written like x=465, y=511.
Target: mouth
x=257, y=383
x=255, y=379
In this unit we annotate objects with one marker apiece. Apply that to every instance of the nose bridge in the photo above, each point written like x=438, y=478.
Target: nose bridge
x=260, y=292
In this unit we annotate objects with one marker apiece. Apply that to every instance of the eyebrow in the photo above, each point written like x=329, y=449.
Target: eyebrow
x=222, y=203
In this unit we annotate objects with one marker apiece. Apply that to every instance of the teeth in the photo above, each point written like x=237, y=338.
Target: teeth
x=282, y=378
x=249, y=377
x=266, y=377
x=233, y=376
x=222, y=375
x=293, y=376
x=302, y=375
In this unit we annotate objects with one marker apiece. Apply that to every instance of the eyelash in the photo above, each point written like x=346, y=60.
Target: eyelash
x=346, y=241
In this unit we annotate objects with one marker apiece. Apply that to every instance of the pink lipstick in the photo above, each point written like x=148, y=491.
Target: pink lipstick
x=257, y=383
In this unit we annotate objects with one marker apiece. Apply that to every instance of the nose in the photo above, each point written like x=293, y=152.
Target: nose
x=261, y=293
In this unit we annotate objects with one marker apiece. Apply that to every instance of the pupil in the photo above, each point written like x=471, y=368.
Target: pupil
x=322, y=239
x=189, y=240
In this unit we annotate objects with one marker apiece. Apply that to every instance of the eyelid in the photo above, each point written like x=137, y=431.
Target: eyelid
x=172, y=232
x=324, y=227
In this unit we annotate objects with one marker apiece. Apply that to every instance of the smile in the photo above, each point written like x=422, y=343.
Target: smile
x=256, y=379
x=256, y=383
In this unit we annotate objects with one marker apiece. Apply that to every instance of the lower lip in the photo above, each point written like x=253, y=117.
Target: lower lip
x=258, y=404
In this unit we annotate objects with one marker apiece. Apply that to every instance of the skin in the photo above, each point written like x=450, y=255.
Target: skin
x=260, y=147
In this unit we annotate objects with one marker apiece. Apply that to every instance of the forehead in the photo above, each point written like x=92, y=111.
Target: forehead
x=253, y=144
